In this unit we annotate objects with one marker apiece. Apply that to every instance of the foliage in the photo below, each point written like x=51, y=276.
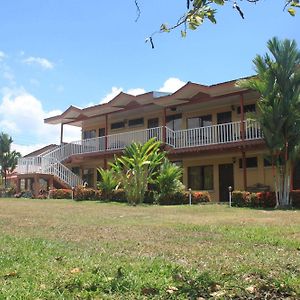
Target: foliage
x=137, y=167
x=108, y=182
x=60, y=194
x=168, y=179
x=8, y=158
x=198, y=11
x=180, y=198
x=278, y=83
x=118, y=195
x=83, y=193
x=260, y=199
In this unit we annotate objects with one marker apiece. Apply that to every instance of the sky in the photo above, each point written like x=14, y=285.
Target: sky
x=58, y=53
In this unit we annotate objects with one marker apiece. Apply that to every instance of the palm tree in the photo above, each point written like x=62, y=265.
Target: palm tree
x=278, y=82
x=136, y=168
x=8, y=158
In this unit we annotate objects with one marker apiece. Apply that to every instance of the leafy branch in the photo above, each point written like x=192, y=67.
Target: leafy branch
x=197, y=11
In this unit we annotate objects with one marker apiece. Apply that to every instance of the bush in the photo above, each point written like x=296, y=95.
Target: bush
x=149, y=197
x=246, y=199
x=118, y=196
x=82, y=193
x=171, y=199
x=60, y=194
x=183, y=198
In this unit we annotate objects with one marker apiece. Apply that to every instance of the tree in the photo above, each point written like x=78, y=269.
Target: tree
x=8, y=158
x=137, y=167
x=197, y=11
x=278, y=82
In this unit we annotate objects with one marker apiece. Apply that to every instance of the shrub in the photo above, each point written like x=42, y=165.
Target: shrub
x=60, y=194
x=171, y=199
x=108, y=182
x=168, y=179
x=200, y=197
x=261, y=199
x=183, y=198
x=149, y=197
x=118, y=196
x=82, y=193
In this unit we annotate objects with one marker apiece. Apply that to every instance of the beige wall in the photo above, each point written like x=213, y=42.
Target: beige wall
x=187, y=111
x=261, y=174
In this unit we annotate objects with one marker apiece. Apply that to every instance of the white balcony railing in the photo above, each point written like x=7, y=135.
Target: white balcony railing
x=50, y=162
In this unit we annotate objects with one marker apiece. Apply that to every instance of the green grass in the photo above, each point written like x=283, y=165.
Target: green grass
x=59, y=249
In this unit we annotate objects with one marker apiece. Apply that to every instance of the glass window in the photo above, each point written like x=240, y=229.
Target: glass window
x=89, y=134
x=200, y=178
x=247, y=108
x=174, y=122
x=251, y=162
x=197, y=122
x=117, y=125
x=136, y=122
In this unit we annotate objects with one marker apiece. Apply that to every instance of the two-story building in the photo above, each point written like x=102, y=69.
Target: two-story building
x=203, y=128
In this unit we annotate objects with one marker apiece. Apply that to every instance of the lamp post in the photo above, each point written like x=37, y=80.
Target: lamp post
x=230, y=194
x=190, y=196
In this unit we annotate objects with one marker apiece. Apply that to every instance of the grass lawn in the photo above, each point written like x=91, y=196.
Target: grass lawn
x=59, y=249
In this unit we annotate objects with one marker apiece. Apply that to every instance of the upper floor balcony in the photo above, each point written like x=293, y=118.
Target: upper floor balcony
x=179, y=139
x=227, y=133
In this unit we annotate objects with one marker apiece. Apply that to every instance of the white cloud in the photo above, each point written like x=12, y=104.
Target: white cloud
x=112, y=94
x=22, y=116
x=135, y=92
x=26, y=149
x=42, y=62
x=2, y=55
x=171, y=85
x=116, y=91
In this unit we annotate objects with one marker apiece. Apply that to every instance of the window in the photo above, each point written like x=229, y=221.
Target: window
x=199, y=122
x=89, y=134
x=200, y=178
x=136, y=122
x=251, y=162
x=117, y=125
x=174, y=122
x=247, y=108
x=268, y=161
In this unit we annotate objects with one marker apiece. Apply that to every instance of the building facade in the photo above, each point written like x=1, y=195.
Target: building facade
x=204, y=129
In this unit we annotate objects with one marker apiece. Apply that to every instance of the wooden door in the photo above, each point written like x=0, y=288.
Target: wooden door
x=226, y=179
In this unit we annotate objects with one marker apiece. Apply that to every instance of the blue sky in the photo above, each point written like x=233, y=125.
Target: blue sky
x=54, y=54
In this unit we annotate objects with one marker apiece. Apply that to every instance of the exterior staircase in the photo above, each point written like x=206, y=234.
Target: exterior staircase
x=50, y=162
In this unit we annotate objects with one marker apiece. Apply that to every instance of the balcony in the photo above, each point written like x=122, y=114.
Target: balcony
x=180, y=139
x=51, y=162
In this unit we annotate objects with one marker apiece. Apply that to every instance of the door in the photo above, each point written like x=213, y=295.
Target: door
x=153, y=128
x=225, y=131
x=225, y=180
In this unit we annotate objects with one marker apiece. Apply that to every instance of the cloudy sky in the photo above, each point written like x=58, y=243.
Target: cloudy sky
x=54, y=54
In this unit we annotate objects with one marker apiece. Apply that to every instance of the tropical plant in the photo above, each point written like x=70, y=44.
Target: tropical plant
x=169, y=179
x=8, y=158
x=278, y=82
x=108, y=182
x=136, y=168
